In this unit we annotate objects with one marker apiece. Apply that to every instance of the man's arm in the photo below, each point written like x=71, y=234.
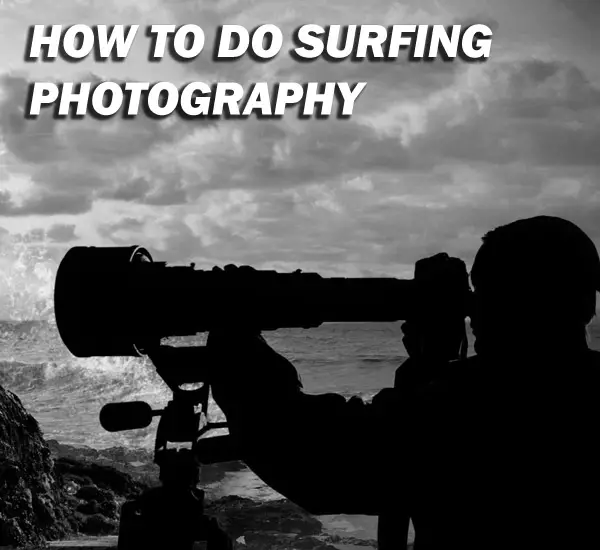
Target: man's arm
x=324, y=452
x=329, y=454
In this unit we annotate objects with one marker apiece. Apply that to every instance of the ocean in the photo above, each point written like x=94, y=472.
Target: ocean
x=66, y=393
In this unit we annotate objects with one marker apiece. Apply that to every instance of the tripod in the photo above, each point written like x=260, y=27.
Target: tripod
x=171, y=516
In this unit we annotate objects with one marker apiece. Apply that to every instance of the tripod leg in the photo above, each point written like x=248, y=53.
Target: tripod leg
x=155, y=522
x=215, y=537
x=161, y=520
x=130, y=526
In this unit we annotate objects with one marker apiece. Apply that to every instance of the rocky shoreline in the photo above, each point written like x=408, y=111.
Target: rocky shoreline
x=53, y=492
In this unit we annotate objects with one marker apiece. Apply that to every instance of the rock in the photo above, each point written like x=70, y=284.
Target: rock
x=87, y=507
x=239, y=515
x=277, y=525
x=50, y=491
x=351, y=541
x=95, y=492
x=85, y=463
x=32, y=508
x=280, y=541
x=109, y=508
x=91, y=492
x=84, y=473
x=85, y=542
x=97, y=524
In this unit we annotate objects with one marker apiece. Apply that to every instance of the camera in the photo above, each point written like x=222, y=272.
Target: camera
x=117, y=301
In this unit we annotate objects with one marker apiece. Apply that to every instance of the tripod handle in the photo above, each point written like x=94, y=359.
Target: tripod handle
x=117, y=417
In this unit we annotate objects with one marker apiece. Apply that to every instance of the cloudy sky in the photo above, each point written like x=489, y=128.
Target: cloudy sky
x=434, y=155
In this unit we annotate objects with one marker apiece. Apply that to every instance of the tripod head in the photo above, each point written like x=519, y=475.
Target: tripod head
x=179, y=451
x=185, y=419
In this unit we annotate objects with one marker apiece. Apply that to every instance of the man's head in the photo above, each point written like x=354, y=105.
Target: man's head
x=535, y=279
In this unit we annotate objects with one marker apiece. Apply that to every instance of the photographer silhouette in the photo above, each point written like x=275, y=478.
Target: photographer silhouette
x=494, y=451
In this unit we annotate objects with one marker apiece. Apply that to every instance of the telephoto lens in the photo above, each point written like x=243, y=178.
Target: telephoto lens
x=117, y=301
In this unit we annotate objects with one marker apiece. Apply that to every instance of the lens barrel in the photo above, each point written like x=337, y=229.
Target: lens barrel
x=117, y=301
x=95, y=300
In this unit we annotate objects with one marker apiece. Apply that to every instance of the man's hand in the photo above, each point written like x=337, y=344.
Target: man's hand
x=235, y=269
x=244, y=367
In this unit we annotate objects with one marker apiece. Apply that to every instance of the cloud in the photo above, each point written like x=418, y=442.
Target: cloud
x=586, y=10
x=61, y=233
x=45, y=204
x=436, y=154
x=45, y=139
x=37, y=235
x=475, y=162
x=131, y=191
x=544, y=113
x=168, y=163
x=160, y=186
x=483, y=19
x=127, y=226
x=255, y=154
x=386, y=79
x=83, y=157
x=30, y=141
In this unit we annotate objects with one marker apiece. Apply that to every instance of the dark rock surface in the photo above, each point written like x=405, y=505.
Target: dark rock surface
x=96, y=483
x=108, y=466
x=277, y=525
x=32, y=507
x=49, y=491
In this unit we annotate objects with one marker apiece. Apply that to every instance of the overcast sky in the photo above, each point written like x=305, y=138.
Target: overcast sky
x=435, y=154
